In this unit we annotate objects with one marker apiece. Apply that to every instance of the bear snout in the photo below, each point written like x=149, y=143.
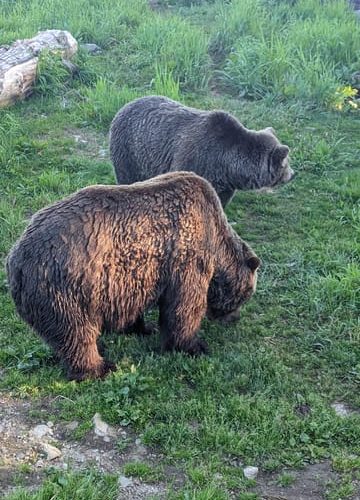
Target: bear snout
x=288, y=175
x=224, y=319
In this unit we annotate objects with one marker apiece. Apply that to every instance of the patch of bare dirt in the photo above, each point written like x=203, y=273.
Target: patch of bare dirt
x=310, y=483
x=30, y=443
x=89, y=143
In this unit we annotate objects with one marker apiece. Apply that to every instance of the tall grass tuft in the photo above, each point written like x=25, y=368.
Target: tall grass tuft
x=304, y=51
x=183, y=49
x=101, y=102
x=165, y=84
x=102, y=22
x=234, y=21
x=51, y=74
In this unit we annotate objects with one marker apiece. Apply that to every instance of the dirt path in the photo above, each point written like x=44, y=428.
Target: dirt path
x=30, y=444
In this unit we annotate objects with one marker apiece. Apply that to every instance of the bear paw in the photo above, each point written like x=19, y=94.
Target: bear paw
x=148, y=329
x=141, y=328
x=98, y=372
x=198, y=347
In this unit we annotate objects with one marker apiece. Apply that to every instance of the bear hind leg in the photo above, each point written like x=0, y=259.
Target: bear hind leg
x=79, y=352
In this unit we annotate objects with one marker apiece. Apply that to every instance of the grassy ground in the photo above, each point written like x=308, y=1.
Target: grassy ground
x=264, y=394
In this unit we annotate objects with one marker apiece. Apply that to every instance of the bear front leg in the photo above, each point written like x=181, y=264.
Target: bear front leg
x=140, y=327
x=181, y=310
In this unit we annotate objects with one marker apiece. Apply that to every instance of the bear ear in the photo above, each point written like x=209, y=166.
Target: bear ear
x=225, y=127
x=253, y=262
x=270, y=130
x=281, y=152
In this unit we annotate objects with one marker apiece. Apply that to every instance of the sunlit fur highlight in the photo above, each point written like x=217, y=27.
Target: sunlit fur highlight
x=98, y=259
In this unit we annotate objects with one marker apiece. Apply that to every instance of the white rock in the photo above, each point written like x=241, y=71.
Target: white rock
x=39, y=431
x=50, y=424
x=91, y=48
x=101, y=428
x=51, y=451
x=71, y=426
x=340, y=409
x=250, y=472
x=77, y=456
x=124, y=481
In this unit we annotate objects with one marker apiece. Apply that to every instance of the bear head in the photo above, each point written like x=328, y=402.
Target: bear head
x=250, y=159
x=233, y=285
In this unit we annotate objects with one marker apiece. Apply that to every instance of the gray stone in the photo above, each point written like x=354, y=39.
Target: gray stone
x=124, y=481
x=91, y=48
x=340, y=409
x=250, y=472
x=51, y=451
x=41, y=430
x=101, y=428
x=71, y=426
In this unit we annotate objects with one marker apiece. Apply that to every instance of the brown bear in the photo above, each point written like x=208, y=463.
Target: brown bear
x=153, y=135
x=99, y=258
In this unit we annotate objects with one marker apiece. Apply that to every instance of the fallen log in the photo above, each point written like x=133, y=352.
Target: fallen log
x=18, y=63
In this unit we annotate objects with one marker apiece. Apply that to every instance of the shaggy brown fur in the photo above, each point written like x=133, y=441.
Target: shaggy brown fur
x=154, y=134
x=99, y=258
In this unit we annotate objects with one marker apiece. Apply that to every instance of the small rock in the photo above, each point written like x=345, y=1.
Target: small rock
x=250, y=472
x=51, y=451
x=71, y=426
x=91, y=48
x=72, y=68
x=124, y=481
x=50, y=424
x=77, y=456
x=340, y=409
x=40, y=463
x=141, y=450
x=39, y=431
x=102, y=153
x=102, y=428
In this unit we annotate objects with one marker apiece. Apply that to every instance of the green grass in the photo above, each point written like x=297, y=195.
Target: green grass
x=63, y=486
x=305, y=52
x=142, y=471
x=285, y=479
x=298, y=341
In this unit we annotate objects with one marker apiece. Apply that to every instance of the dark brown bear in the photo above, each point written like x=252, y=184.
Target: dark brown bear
x=153, y=135
x=99, y=258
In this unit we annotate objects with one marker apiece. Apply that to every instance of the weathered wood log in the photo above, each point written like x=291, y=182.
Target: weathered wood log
x=18, y=63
